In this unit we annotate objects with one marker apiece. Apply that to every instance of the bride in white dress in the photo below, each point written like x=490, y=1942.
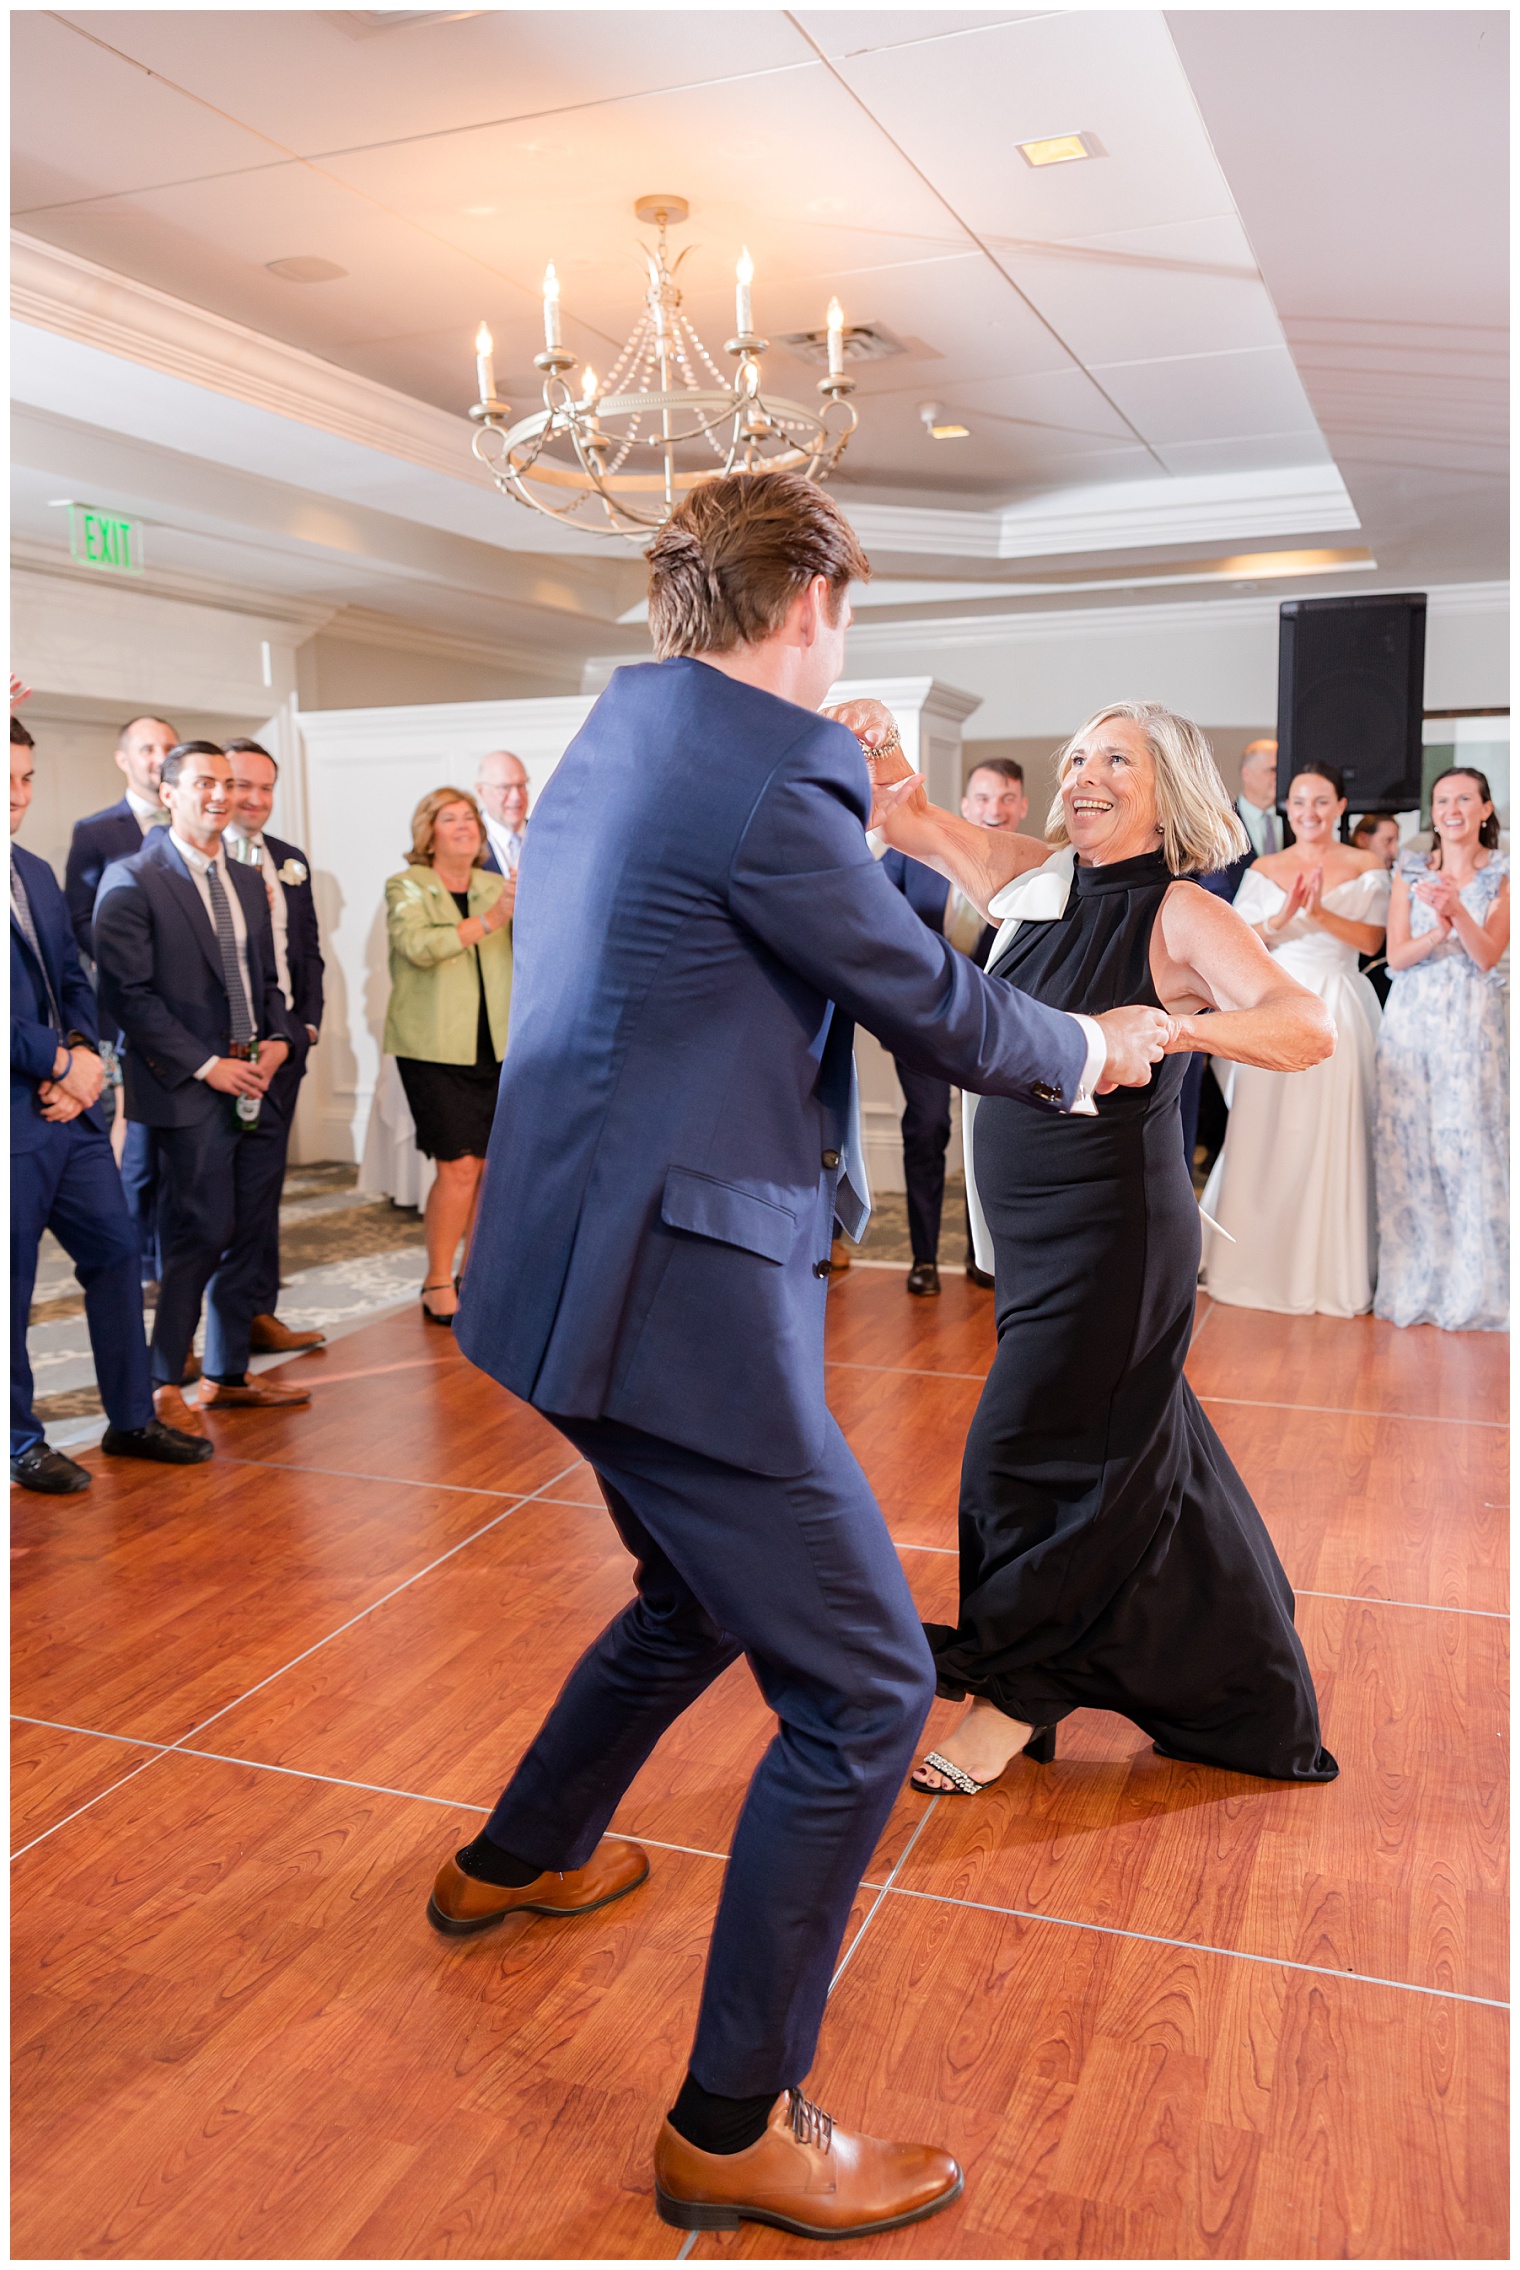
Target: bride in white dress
x=1293, y=1185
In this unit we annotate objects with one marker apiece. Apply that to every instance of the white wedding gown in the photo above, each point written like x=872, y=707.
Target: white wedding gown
x=1293, y=1185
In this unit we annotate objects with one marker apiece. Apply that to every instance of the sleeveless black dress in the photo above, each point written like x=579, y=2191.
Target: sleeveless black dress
x=1111, y=1557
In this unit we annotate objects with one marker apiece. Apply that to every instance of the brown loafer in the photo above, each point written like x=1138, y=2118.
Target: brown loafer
x=804, y=2175
x=191, y=1372
x=250, y=1390
x=267, y=1336
x=461, y=1905
x=170, y=1406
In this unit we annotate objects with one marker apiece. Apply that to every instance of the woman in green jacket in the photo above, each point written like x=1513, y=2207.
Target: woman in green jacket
x=451, y=985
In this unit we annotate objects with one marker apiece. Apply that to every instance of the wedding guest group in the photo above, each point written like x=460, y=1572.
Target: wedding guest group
x=1442, y=1136
x=994, y=798
x=447, y=916
x=1292, y=1188
x=185, y=949
x=298, y=972
x=64, y=1179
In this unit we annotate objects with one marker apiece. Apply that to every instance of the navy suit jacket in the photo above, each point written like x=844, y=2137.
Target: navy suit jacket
x=699, y=922
x=97, y=841
x=35, y=1039
x=303, y=942
x=161, y=979
x=927, y=893
x=1226, y=881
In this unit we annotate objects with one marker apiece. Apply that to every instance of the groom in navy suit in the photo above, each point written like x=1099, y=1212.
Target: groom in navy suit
x=699, y=924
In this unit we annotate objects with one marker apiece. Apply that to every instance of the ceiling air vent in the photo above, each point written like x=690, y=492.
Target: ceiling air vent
x=863, y=343
x=363, y=23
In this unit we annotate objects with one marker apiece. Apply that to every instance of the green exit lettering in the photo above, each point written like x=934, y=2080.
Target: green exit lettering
x=104, y=540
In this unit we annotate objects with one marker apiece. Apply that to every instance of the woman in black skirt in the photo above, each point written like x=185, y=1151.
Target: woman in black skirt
x=1111, y=1557
x=446, y=1026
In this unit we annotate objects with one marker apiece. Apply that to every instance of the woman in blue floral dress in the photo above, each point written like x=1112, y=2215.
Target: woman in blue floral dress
x=1442, y=1129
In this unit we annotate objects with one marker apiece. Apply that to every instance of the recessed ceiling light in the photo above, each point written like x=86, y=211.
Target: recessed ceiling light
x=480, y=212
x=1057, y=150
x=941, y=425
x=305, y=269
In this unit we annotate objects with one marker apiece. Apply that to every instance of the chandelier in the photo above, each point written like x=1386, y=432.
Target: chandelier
x=618, y=455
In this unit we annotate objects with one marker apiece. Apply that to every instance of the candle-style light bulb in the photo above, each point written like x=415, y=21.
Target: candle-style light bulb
x=485, y=372
x=551, y=307
x=744, y=274
x=588, y=388
x=836, y=339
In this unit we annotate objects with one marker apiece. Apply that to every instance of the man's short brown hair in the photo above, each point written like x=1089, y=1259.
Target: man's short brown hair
x=729, y=562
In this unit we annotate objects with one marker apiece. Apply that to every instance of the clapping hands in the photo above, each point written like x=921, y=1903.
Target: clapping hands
x=1303, y=898
x=1441, y=895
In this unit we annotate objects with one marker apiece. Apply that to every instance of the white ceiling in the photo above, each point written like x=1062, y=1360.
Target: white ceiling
x=1288, y=259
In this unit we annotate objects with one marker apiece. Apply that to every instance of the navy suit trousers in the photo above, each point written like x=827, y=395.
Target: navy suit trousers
x=69, y=1185
x=925, y=1139
x=284, y=1094
x=139, y=1179
x=799, y=1575
x=217, y=1183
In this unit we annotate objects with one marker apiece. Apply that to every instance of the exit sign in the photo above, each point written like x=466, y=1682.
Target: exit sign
x=105, y=540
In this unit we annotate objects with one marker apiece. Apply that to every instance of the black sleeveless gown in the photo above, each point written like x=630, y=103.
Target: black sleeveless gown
x=1111, y=1557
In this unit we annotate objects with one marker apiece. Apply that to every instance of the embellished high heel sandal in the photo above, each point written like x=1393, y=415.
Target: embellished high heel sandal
x=1040, y=1749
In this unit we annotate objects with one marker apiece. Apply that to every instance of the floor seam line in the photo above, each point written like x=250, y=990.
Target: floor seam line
x=160, y=1752
x=848, y=1955
x=1243, y=1402
x=1300, y=1591
x=1196, y=1946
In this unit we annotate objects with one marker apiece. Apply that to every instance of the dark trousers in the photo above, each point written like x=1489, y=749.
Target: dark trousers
x=69, y=1185
x=925, y=1139
x=139, y=1180
x=284, y=1092
x=216, y=1186
x=799, y=1575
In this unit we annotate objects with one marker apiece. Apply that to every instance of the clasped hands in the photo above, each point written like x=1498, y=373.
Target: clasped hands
x=237, y=1076
x=74, y=1088
x=1136, y=1038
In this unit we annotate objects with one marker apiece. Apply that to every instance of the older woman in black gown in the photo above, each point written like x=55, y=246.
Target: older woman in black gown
x=1111, y=1557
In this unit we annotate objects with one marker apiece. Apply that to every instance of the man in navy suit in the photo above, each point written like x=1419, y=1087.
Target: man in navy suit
x=64, y=1179
x=299, y=966
x=115, y=833
x=698, y=928
x=994, y=798
x=186, y=956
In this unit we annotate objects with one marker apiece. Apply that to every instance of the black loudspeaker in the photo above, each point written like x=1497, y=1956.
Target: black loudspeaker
x=1351, y=693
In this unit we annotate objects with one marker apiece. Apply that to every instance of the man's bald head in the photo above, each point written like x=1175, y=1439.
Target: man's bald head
x=141, y=747
x=1258, y=774
x=501, y=783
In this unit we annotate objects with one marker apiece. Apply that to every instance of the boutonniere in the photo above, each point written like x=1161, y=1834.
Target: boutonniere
x=292, y=872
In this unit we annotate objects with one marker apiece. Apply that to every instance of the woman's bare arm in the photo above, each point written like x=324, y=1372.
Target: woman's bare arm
x=1209, y=959
x=981, y=861
x=1404, y=950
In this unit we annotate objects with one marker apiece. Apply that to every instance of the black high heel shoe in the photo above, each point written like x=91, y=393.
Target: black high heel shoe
x=1040, y=1749
x=432, y=1315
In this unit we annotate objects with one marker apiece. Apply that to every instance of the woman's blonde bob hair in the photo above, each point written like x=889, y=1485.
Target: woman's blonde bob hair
x=1200, y=827
x=425, y=825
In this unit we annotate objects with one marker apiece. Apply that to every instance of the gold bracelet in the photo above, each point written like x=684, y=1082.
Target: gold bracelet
x=892, y=741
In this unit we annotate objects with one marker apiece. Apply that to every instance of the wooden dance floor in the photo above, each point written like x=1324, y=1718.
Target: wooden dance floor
x=1157, y=2011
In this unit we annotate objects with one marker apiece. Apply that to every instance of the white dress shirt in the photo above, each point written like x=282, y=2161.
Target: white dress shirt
x=279, y=913
x=506, y=842
x=1263, y=828
x=198, y=862
x=148, y=814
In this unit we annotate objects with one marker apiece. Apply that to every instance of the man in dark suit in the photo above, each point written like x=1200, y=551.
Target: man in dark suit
x=64, y=1179
x=994, y=798
x=115, y=833
x=185, y=949
x=1267, y=830
x=298, y=964
x=501, y=789
x=699, y=925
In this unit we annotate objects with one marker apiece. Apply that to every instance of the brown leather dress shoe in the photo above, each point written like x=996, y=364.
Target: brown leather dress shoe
x=461, y=1905
x=191, y=1372
x=804, y=2175
x=267, y=1336
x=250, y=1390
x=170, y=1406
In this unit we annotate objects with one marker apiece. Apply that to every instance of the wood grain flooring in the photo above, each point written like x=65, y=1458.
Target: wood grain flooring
x=1158, y=2011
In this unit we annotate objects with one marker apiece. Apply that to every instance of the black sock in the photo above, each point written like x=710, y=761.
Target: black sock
x=491, y=1863
x=720, y=2124
x=227, y=1378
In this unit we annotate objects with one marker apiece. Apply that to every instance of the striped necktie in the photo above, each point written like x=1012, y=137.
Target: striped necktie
x=232, y=975
x=21, y=908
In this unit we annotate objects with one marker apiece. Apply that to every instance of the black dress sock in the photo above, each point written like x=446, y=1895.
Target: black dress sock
x=720, y=2124
x=491, y=1863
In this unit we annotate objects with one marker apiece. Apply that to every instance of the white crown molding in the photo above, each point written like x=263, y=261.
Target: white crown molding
x=58, y=291
x=1030, y=627
x=306, y=616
